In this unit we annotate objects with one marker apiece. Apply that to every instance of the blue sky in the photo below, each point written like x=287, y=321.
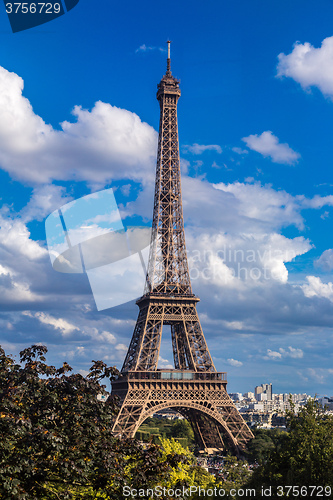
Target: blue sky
x=255, y=128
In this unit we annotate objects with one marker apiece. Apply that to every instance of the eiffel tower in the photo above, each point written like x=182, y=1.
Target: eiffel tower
x=193, y=388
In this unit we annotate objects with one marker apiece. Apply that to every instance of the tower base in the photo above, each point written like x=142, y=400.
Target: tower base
x=201, y=397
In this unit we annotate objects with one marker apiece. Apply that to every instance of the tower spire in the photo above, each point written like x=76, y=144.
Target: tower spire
x=169, y=59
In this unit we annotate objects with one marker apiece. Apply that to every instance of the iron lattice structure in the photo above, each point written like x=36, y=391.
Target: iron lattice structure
x=194, y=388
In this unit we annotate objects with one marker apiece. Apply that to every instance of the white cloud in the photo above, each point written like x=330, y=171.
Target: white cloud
x=73, y=354
x=317, y=374
x=234, y=325
x=278, y=250
x=14, y=289
x=234, y=242
x=325, y=215
x=219, y=273
x=5, y=271
x=261, y=206
x=164, y=363
x=144, y=48
x=325, y=261
x=15, y=239
x=291, y=352
x=198, y=149
x=58, y=323
x=316, y=288
x=318, y=201
x=44, y=200
x=121, y=347
x=147, y=48
x=309, y=66
x=268, y=145
x=104, y=337
x=240, y=151
x=234, y=362
x=102, y=144
x=273, y=355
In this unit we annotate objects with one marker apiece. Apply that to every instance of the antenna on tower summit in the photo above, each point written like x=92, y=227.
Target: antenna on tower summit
x=169, y=59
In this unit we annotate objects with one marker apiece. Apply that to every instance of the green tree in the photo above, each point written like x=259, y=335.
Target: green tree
x=304, y=455
x=55, y=436
x=264, y=443
x=181, y=429
x=234, y=474
x=184, y=471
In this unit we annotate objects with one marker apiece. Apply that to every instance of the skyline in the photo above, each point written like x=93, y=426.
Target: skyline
x=255, y=144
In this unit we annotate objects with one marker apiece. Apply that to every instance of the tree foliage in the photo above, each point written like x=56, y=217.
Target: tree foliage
x=184, y=473
x=55, y=436
x=264, y=443
x=56, y=441
x=179, y=429
x=304, y=455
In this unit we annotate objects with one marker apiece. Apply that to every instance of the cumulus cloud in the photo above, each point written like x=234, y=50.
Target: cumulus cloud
x=198, y=149
x=269, y=145
x=273, y=355
x=240, y=151
x=262, y=206
x=164, y=363
x=102, y=144
x=291, y=352
x=105, y=337
x=14, y=289
x=239, y=244
x=15, y=238
x=246, y=260
x=28, y=278
x=234, y=325
x=317, y=374
x=58, y=323
x=121, y=347
x=325, y=261
x=44, y=200
x=316, y=288
x=309, y=66
x=58, y=309
x=234, y=362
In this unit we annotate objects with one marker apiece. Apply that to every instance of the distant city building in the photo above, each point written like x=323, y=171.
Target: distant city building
x=169, y=414
x=236, y=396
x=267, y=413
x=262, y=389
x=262, y=396
x=326, y=402
x=260, y=411
x=249, y=395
